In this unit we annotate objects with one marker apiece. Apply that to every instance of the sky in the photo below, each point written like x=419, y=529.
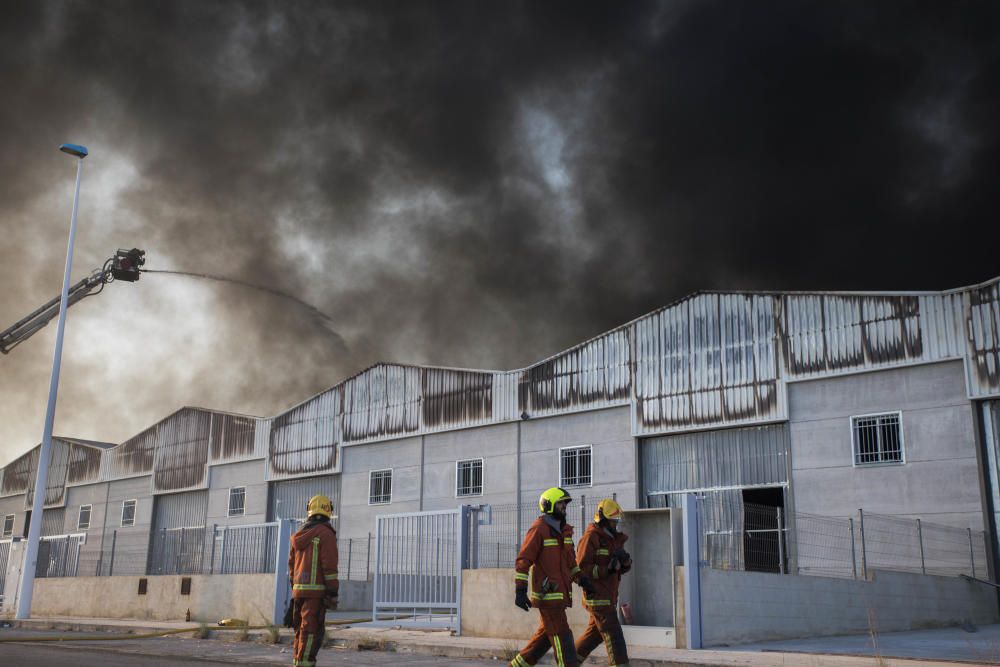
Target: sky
x=471, y=184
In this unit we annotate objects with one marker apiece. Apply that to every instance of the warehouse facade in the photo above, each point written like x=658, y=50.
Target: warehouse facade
x=813, y=402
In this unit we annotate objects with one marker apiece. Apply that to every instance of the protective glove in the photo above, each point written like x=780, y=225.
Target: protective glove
x=330, y=600
x=622, y=555
x=587, y=586
x=288, y=621
x=521, y=599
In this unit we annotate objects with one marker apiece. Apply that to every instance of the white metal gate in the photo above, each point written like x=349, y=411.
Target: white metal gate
x=4, y=555
x=419, y=559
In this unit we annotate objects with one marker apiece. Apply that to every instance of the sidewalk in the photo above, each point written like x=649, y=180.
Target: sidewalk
x=442, y=643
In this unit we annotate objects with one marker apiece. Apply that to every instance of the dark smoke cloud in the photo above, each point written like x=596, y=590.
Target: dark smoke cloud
x=470, y=184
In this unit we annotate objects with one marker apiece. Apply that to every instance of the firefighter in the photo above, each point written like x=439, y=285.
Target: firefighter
x=601, y=555
x=312, y=570
x=547, y=558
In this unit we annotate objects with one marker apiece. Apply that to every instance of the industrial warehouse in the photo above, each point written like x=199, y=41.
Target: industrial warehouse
x=827, y=439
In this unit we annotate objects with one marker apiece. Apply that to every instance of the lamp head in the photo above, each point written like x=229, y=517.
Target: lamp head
x=74, y=149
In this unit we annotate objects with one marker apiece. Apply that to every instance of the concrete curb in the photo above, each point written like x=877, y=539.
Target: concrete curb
x=440, y=644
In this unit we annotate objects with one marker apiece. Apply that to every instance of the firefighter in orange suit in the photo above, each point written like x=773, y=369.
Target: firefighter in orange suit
x=547, y=558
x=312, y=568
x=601, y=556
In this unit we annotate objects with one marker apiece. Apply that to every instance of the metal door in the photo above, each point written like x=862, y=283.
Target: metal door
x=418, y=567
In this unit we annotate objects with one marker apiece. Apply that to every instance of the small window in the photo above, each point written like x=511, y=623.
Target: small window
x=237, y=500
x=83, y=522
x=379, y=487
x=877, y=439
x=128, y=513
x=574, y=466
x=469, y=477
x=8, y=525
x=143, y=585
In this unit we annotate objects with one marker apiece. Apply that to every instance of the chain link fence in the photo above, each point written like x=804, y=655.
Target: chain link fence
x=499, y=530
x=743, y=536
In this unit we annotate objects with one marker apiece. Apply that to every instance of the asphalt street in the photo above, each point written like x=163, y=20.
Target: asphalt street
x=170, y=651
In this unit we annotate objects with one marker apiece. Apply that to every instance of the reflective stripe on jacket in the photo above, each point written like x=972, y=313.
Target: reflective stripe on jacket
x=593, y=555
x=547, y=553
x=312, y=560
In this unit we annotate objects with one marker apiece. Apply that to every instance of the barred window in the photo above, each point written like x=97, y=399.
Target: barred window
x=237, y=500
x=574, y=466
x=83, y=520
x=8, y=525
x=128, y=513
x=877, y=439
x=379, y=487
x=469, y=477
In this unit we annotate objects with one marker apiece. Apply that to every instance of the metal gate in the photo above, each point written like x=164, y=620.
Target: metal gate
x=4, y=555
x=418, y=567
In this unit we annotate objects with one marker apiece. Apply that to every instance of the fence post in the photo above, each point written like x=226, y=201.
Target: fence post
x=920, y=537
x=583, y=512
x=781, y=545
x=854, y=554
x=211, y=565
x=692, y=570
x=281, y=586
x=180, y=555
x=114, y=540
x=201, y=561
x=864, y=548
x=222, y=556
x=368, y=558
x=350, y=552
x=972, y=555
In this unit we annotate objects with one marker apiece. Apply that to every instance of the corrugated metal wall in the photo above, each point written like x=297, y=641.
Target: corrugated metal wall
x=595, y=374
x=382, y=401
x=712, y=460
x=305, y=439
x=288, y=499
x=132, y=458
x=709, y=360
x=84, y=464
x=19, y=473
x=54, y=521
x=984, y=340
x=55, y=482
x=180, y=510
x=232, y=437
x=182, y=443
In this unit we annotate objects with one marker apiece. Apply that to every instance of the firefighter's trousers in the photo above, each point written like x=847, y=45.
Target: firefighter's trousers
x=603, y=627
x=554, y=632
x=309, y=621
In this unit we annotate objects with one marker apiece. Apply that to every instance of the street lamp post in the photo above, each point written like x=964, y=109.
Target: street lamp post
x=41, y=478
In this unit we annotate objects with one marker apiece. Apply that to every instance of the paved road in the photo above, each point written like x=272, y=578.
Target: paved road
x=174, y=651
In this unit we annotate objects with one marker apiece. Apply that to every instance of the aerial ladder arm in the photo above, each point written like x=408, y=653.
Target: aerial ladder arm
x=123, y=266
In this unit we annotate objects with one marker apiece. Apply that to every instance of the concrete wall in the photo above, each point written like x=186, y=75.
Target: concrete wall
x=488, y=607
x=613, y=457
x=357, y=517
x=13, y=505
x=939, y=481
x=739, y=607
x=249, y=474
x=496, y=445
x=212, y=598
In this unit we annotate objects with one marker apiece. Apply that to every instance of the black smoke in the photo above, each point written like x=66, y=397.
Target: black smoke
x=465, y=183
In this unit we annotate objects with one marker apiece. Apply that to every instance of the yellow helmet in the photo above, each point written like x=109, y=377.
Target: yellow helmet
x=547, y=501
x=609, y=509
x=320, y=505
